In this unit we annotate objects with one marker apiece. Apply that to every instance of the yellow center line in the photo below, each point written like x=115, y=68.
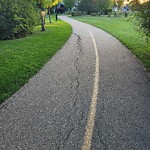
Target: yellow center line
x=92, y=112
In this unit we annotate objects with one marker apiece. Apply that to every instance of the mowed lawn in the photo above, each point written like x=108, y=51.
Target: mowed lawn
x=20, y=59
x=122, y=29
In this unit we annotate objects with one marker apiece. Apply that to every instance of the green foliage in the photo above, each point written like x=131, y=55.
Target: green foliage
x=17, y=18
x=142, y=16
x=76, y=13
x=96, y=14
x=86, y=5
x=120, y=3
x=91, y=6
x=69, y=3
x=21, y=58
x=104, y=4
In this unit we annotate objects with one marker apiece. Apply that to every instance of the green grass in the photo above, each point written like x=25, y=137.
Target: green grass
x=20, y=59
x=123, y=30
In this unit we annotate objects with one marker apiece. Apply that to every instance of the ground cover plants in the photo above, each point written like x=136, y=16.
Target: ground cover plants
x=20, y=59
x=124, y=30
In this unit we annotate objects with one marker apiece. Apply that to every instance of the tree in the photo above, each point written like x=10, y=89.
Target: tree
x=17, y=18
x=69, y=3
x=94, y=5
x=86, y=5
x=104, y=4
x=48, y=4
x=120, y=3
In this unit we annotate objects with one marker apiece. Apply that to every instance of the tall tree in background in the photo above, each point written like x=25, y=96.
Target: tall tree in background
x=51, y=3
x=86, y=5
x=94, y=5
x=120, y=3
x=104, y=4
x=48, y=4
x=69, y=3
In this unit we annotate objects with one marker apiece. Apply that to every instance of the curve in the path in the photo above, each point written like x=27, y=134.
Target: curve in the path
x=51, y=112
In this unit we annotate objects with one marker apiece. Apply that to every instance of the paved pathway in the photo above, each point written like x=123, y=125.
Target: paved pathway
x=92, y=79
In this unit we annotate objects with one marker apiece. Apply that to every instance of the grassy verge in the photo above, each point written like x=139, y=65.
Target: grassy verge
x=20, y=59
x=123, y=30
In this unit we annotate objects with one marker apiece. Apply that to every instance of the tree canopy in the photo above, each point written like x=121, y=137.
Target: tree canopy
x=94, y=5
x=69, y=3
x=47, y=3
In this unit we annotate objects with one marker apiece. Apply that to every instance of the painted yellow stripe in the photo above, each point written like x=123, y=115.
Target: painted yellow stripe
x=92, y=112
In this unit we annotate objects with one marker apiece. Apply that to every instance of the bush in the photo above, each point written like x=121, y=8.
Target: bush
x=106, y=11
x=84, y=13
x=142, y=16
x=76, y=13
x=93, y=14
x=67, y=13
x=109, y=14
x=17, y=18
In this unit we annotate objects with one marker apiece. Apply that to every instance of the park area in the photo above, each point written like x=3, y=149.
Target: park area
x=24, y=49
x=75, y=74
x=22, y=58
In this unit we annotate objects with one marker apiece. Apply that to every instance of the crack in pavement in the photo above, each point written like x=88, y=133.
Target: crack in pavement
x=78, y=43
x=74, y=110
x=77, y=69
x=102, y=141
x=64, y=140
x=67, y=137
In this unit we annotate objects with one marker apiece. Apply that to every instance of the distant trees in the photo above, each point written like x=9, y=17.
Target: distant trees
x=94, y=5
x=69, y=3
x=86, y=5
x=119, y=3
x=104, y=4
x=42, y=4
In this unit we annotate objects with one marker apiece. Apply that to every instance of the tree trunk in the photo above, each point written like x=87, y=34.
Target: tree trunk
x=56, y=13
x=43, y=23
x=49, y=13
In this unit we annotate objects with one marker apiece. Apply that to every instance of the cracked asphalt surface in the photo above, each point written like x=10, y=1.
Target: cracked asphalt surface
x=50, y=111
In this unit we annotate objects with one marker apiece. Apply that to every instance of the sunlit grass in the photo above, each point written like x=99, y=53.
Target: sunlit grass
x=20, y=59
x=123, y=29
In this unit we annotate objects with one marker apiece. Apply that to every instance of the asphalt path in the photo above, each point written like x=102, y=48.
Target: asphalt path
x=93, y=94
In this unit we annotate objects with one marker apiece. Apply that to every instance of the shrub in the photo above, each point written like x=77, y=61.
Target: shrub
x=109, y=14
x=109, y=10
x=84, y=13
x=17, y=18
x=76, y=13
x=93, y=14
x=67, y=13
x=142, y=16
